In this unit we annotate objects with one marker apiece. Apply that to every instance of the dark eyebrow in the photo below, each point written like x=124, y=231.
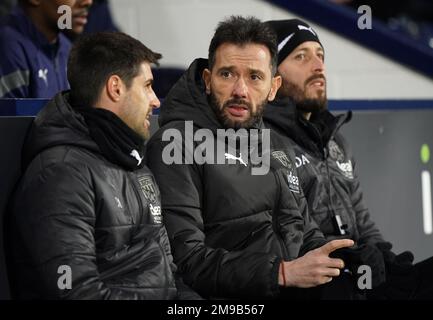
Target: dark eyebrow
x=301, y=49
x=232, y=68
x=305, y=49
x=226, y=68
x=260, y=72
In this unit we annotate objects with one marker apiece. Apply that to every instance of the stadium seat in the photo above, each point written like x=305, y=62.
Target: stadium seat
x=12, y=133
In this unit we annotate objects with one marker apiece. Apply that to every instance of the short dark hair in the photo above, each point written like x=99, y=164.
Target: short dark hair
x=240, y=30
x=97, y=56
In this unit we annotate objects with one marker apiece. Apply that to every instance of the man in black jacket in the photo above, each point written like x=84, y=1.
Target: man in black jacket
x=86, y=217
x=324, y=161
x=234, y=233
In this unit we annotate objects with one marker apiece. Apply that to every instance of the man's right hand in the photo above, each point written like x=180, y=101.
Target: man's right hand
x=315, y=267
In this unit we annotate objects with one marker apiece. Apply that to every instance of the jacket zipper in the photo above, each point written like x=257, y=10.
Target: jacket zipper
x=340, y=123
x=325, y=155
x=331, y=184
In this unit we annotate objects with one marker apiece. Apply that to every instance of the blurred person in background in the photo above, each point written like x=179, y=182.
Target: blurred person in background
x=34, y=52
x=6, y=7
x=95, y=16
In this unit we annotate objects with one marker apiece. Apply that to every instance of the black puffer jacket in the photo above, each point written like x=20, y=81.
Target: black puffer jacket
x=73, y=208
x=229, y=229
x=326, y=170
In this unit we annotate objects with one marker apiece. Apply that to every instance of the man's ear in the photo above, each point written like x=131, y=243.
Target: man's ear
x=276, y=84
x=206, y=78
x=114, y=88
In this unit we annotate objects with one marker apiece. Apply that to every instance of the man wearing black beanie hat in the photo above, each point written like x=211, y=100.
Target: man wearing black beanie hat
x=326, y=166
x=301, y=64
x=290, y=34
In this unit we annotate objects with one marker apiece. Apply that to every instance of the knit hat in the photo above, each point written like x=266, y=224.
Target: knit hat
x=290, y=34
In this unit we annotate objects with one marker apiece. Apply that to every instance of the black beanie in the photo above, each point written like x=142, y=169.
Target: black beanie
x=290, y=34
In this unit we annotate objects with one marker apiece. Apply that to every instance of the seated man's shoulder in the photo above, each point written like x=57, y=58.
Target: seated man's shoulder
x=341, y=142
x=14, y=47
x=177, y=125
x=66, y=157
x=168, y=131
x=10, y=37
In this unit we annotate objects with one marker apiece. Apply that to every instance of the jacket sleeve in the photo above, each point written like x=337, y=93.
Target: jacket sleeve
x=211, y=271
x=54, y=218
x=367, y=229
x=14, y=69
x=184, y=291
x=313, y=236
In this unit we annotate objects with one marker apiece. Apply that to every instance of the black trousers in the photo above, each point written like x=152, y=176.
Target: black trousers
x=416, y=284
x=340, y=288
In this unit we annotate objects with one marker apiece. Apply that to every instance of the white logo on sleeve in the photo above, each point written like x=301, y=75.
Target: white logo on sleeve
x=156, y=213
x=42, y=73
x=119, y=204
x=293, y=181
x=347, y=168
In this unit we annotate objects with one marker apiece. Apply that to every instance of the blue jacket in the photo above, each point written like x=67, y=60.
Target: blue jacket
x=30, y=67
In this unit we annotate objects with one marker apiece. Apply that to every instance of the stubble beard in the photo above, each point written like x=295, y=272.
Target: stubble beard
x=299, y=97
x=228, y=122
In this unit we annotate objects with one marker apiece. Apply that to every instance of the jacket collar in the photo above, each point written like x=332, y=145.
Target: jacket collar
x=314, y=134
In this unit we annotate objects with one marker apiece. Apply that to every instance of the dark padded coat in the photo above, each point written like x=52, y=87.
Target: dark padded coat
x=326, y=169
x=229, y=229
x=74, y=210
